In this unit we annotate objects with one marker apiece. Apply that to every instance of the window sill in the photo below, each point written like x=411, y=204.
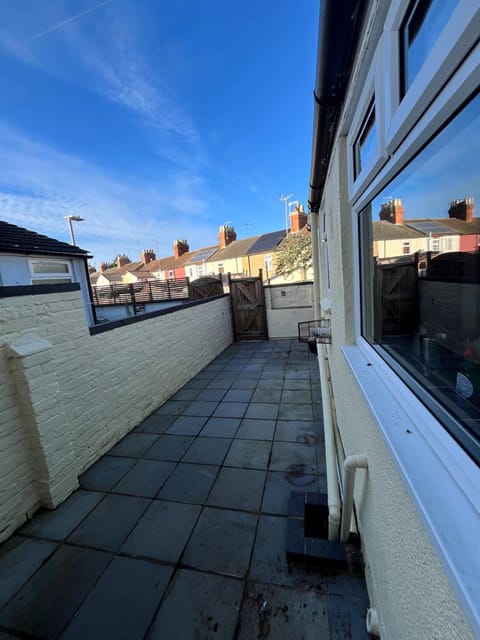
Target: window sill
x=442, y=480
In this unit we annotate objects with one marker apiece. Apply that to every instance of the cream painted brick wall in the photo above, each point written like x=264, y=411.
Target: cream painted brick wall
x=108, y=383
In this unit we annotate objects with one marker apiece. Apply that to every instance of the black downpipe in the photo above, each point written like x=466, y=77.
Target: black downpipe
x=339, y=31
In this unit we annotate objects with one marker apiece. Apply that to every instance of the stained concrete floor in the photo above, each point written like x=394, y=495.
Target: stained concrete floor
x=179, y=532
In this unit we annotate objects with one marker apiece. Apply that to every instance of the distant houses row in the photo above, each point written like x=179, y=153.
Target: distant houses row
x=238, y=257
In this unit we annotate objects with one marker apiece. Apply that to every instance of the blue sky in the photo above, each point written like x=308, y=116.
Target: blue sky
x=154, y=120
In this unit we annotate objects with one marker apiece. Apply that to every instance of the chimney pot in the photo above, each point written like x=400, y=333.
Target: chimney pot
x=226, y=235
x=180, y=247
x=298, y=218
x=392, y=211
x=463, y=209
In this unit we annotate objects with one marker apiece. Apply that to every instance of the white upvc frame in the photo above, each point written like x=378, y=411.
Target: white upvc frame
x=52, y=275
x=436, y=470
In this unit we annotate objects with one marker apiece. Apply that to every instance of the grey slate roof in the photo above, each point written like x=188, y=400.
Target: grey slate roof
x=383, y=230
x=15, y=239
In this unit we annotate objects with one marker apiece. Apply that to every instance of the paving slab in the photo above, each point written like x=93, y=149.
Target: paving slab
x=267, y=395
x=347, y=618
x=199, y=408
x=155, y=424
x=295, y=412
x=58, y=524
x=248, y=454
x=133, y=445
x=199, y=605
x=297, y=396
x=186, y=394
x=19, y=559
x=145, y=478
x=122, y=603
x=211, y=395
x=278, y=487
x=286, y=456
x=221, y=427
x=104, y=474
x=283, y=614
x=222, y=542
x=256, y=429
x=299, y=431
x=46, y=603
x=231, y=410
x=238, y=395
x=207, y=451
x=187, y=426
x=262, y=411
x=172, y=408
x=189, y=483
x=162, y=532
x=238, y=489
x=169, y=448
x=97, y=530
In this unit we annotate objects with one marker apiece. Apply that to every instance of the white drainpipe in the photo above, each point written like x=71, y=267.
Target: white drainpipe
x=316, y=265
x=330, y=452
x=350, y=465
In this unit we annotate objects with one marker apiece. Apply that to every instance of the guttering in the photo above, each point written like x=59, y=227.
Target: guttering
x=350, y=465
x=339, y=31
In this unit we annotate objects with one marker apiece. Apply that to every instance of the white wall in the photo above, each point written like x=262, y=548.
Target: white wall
x=57, y=381
x=286, y=306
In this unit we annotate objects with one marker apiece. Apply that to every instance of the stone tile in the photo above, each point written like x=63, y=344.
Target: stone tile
x=220, y=384
x=221, y=427
x=46, y=603
x=133, y=445
x=287, y=614
x=287, y=456
x=145, y=478
x=207, y=451
x=295, y=412
x=187, y=426
x=297, y=373
x=172, y=408
x=347, y=586
x=268, y=383
x=256, y=429
x=297, y=396
x=59, y=523
x=222, y=542
x=198, y=408
x=301, y=432
x=267, y=395
x=244, y=383
x=169, y=448
x=248, y=454
x=97, y=530
x=278, y=488
x=195, y=383
x=211, y=395
x=122, y=603
x=292, y=383
x=105, y=473
x=208, y=606
x=262, y=411
x=238, y=395
x=19, y=559
x=347, y=618
x=230, y=410
x=162, y=531
x=189, y=483
x=238, y=489
x=155, y=424
x=186, y=394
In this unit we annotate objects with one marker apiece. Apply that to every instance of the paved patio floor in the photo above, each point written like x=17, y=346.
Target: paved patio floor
x=179, y=532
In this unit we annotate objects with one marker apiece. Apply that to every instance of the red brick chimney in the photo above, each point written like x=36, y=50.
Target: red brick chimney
x=122, y=260
x=298, y=218
x=180, y=247
x=226, y=235
x=392, y=211
x=148, y=255
x=463, y=209
x=103, y=267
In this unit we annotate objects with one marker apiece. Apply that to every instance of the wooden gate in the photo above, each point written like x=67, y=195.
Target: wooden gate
x=248, y=308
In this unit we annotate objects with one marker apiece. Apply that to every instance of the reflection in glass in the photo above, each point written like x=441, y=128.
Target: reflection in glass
x=365, y=144
x=421, y=270
x=424, y=22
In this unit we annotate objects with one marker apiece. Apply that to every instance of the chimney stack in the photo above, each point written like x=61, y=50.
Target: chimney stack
x=463, y=209
x=226, y=235
x=122, y=260
x=298, y=218
x=180, y=247
x=148, y=255
x=392, y=211
x=103, y=267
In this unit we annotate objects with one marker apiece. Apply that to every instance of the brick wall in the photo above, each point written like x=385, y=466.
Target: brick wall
x=66, y=397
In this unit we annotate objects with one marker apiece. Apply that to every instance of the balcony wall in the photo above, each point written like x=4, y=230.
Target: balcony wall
x=67, y=396
x=287, y=305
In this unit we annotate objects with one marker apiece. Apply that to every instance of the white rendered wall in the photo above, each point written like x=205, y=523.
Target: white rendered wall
x=287, y=306
x=97, y=387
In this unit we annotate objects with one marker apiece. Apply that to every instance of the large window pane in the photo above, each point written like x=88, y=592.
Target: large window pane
x=421, y=274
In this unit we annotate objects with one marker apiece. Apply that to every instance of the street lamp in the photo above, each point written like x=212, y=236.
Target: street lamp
x=285, y=200
x=71, y=219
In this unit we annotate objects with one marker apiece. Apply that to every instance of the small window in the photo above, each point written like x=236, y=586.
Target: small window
x=267, y=261
x=365, y=144
x=422, y=315
x=220, y=268
x=406, y=248
x=424, y=22
x=50, y=272
x=171, y=274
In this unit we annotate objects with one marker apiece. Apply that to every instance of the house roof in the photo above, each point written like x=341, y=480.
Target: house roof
x=235, y=249
x=267, y=242
x=14, y=239
x=383, y=230
x=422, y=227
x=142, y=274
x=111, y=277
x=455, y=225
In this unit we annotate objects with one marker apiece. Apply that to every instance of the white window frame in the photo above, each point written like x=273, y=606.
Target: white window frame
x=436, y=470
x=60, y=275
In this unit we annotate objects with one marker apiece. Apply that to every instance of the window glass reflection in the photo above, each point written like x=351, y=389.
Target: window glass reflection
x=421, y=268
x=366, y=142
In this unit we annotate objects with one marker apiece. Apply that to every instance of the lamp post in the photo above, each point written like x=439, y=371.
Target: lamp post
x=71, y=219
x=285, y=200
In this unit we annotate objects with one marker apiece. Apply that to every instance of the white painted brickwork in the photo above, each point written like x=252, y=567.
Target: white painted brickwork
x=64, y=405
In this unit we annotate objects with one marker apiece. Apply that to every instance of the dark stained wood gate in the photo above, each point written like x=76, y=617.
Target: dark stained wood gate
x=248, y=308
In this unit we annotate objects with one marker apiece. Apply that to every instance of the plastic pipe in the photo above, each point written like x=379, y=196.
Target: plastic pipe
x=350, y=465
x=373, y=626
x=316, y=265
x=330, y=452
